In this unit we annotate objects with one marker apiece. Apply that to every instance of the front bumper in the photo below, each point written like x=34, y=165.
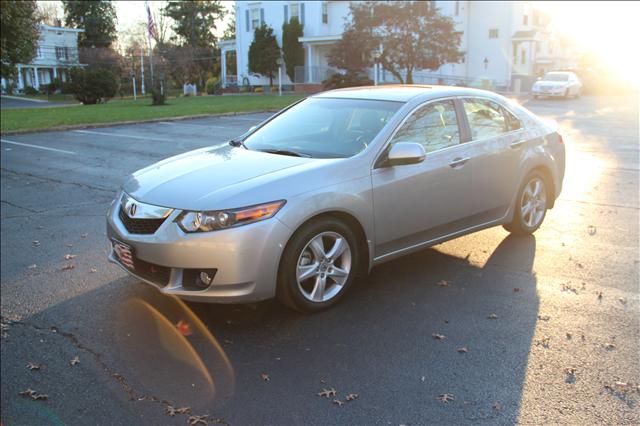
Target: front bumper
x=246, y=258
x=549, y=92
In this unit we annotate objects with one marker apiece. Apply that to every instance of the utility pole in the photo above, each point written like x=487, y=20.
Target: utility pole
x=141, y=72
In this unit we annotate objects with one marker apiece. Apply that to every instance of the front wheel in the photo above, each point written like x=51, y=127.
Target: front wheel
x=531, y=205
x=318, y=265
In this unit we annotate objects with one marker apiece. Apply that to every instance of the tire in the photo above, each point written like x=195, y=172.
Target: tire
x=525, y=221
x=307, y=261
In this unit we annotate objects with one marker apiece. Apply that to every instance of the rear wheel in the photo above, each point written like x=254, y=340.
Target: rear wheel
x=318, y=265
x=531, y=205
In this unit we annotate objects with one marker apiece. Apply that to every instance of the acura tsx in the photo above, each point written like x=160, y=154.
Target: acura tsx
x=331, y=186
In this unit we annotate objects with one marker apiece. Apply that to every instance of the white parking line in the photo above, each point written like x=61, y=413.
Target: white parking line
x=120, y=135
x=231, y=117
x=193, y=125
x=37, y=147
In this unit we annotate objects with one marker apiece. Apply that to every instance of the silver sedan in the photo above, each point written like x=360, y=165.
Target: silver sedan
x=331, y=186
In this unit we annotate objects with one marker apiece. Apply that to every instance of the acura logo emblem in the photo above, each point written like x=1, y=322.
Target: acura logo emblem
x=132, y=209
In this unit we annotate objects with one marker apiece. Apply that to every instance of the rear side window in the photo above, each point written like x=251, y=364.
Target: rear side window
x=486, y=119
x=434, y=126
x=513, y=122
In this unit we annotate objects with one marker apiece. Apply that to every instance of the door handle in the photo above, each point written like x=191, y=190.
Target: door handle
x=518, y=144
x=457, y=162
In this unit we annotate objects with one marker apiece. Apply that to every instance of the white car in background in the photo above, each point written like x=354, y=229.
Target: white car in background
x=558, y=83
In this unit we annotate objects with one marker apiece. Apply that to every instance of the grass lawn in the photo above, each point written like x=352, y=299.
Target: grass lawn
x=24, y=119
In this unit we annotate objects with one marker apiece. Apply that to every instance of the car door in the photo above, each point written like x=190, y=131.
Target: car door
x=497, y=142
x=416, y=203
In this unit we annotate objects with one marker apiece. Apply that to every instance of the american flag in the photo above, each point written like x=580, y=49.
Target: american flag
x=151, y=26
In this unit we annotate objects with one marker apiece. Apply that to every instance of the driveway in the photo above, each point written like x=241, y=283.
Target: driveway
x=543, y=329
x=10, y=102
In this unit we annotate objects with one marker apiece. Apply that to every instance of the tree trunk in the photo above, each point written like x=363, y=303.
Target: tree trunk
x=409, y=79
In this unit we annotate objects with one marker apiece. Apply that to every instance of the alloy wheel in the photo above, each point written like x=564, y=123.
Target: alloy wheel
x=534, y=202
x=323, y=267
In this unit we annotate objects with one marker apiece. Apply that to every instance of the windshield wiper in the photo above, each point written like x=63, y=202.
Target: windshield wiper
x=237, y=142
x=284, y=152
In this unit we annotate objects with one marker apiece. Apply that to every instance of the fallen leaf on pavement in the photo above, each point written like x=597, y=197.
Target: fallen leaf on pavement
x=83, y=235
x=439, y=336
x=544, y=317
x=446, y=398
x=622, y=300
x=265, y=377
x=600, y=296
x=351, y=397
x=69, y=256
x=592, y=230
x=36, y=243
x=571, y=371
x=30, y=393
x=569, y=336
x=33, y=366
x=172, y=411
x=75, y=361
x=327, y=393
x=184, y=328
x=198, y=420
x=496, y=406
x=338, y=402
x=544, y=342
x=492, y=316
x=68, y=267
x=609, y=346
x=516, y=289
x=443, y=283
x=462, y=350
x=93, y=270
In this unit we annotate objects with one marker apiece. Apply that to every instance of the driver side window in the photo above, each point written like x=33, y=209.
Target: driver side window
x=434, y=126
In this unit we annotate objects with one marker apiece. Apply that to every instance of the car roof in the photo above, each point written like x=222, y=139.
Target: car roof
x=402, y=92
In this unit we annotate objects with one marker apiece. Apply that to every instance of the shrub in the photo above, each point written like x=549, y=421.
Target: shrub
x=244, y=89
x=258, y=89
x=93, y=85
x=211, y=85
x=350, y=79
x=31, y=91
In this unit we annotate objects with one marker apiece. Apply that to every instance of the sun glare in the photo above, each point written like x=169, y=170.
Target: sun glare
x=607, y=30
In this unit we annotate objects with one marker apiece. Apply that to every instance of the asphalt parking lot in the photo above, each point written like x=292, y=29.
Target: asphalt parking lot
x=549, y=324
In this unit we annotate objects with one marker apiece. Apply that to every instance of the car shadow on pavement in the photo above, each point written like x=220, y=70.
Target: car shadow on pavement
x=416, y=328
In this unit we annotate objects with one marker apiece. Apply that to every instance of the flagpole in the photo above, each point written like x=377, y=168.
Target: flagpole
x=149, y=23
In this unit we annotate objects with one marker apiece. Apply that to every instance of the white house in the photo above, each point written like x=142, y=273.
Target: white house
x=56, y=53
x=505, y=44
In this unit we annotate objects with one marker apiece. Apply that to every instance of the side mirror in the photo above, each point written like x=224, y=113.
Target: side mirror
x=403, y=153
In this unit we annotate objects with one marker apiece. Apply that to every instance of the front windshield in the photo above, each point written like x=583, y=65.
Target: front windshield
x=324, y=127
x=556, y=77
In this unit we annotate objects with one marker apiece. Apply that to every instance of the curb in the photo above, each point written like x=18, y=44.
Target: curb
x=129, y=123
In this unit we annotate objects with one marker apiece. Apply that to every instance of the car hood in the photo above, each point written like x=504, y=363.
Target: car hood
x=220, y=178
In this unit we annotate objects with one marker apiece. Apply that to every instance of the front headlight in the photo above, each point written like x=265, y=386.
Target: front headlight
x=221, y=219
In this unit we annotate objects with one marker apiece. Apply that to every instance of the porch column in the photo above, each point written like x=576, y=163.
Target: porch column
x=223, y=66
x=310, y=63
x=20, y=81
x=55, y=72
x=36, y=83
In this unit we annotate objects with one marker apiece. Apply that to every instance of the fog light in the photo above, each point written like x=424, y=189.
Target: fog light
x=205, y=278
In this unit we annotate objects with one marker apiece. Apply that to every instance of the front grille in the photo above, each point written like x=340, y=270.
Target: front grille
x=140, y=226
